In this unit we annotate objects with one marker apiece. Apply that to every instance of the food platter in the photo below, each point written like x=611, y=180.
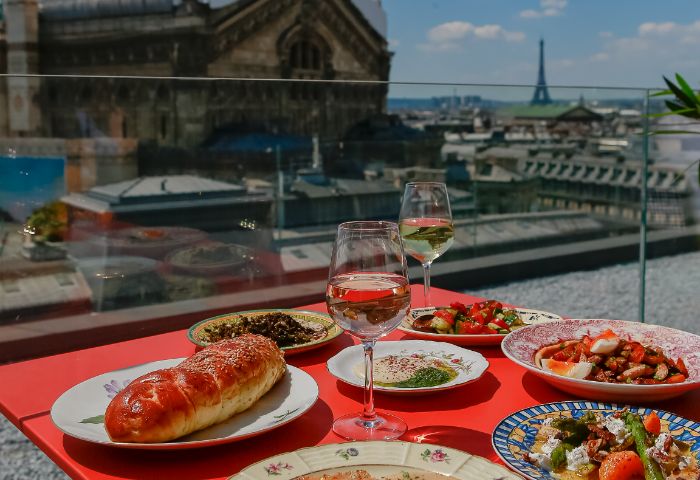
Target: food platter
x=528, y=316
x=206, y=259
x=78, y=412
x=326, y=327
x=515, y=435
x=521, y=346
x=464, y=365
x=381, y=459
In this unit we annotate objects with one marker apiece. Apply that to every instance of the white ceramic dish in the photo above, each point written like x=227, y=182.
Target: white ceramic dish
x=385, y=460
x=77, y=412
x=529, y=316
x=347, y=365
x=328, y=328
x=520, y=346
x=515, y=435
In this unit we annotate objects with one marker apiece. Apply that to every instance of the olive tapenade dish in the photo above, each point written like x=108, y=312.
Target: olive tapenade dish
x=292, y=330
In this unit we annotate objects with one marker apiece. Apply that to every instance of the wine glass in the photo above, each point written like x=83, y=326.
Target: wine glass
x=425, y=223
x=368, y=295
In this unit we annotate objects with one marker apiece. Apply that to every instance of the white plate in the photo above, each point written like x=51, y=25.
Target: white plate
x=385, y=460
x=529, y=316
x=521, y=346
x=77, y=411
x=469, y=365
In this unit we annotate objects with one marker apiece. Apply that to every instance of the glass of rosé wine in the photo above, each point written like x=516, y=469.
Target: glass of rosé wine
x=368, y=295
x=425, y=223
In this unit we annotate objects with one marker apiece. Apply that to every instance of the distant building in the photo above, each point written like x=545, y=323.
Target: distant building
x=541, y=95
x=263, y=39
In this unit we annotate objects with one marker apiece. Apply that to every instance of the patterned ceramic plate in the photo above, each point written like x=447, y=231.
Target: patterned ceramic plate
x=521, y=345
x=327, y=329
x=515, y=434
x=530, y=317
x=465, y=366
x=385, y=460
x=79, y=411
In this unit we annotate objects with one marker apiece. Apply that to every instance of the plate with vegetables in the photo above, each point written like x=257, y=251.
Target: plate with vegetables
x=598, y=441
x=410, y=366
x=294, y=331
x=481, y=323
x=610, y=360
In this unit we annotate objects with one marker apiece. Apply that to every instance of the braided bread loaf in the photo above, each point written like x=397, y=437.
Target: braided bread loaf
x=209, y=387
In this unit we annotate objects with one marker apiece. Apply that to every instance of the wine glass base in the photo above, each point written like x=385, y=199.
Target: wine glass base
x=354, y=427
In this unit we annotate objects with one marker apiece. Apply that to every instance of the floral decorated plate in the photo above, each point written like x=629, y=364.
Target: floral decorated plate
x=79, y=411
x=385, y=460
x=529, y=317
x=515, y=434
x=410, y=366
x=326, y=329
x=521, y=345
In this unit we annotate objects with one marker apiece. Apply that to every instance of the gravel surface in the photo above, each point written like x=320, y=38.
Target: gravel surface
x=610, y=292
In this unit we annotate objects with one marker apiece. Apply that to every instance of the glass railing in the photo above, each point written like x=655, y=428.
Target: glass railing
x=132, y=206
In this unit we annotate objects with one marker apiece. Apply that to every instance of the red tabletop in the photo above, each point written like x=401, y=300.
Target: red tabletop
x=461, y=418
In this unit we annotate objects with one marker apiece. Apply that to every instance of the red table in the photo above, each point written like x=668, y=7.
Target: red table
x=462, y=418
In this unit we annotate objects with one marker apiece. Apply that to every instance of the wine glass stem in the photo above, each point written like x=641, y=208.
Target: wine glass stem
x=426, y=283
x=369, y=414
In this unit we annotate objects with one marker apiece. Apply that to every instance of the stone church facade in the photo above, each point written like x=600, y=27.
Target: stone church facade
x=246, y=39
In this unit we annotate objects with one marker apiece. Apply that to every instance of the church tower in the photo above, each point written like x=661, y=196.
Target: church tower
x=541, y=96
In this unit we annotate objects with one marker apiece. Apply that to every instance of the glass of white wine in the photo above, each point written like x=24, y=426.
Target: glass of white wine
x=425, y=223
x=368, y=295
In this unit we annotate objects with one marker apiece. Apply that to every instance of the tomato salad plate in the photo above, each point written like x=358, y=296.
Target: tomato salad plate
x=598, y=441
x=410, y=366
x=79, y=412
x=294, y=331
x=610, y=360
x=481, y=323
x=376, y=460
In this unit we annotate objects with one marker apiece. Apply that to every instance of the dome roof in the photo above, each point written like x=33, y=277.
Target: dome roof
x=77, y=9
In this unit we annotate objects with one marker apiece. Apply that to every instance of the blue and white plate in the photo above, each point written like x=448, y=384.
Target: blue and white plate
x=515, y=434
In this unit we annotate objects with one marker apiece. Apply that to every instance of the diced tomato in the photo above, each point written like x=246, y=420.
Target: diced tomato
x=445, y=315
x=652, y=423
x=487, y=314
x=468, y=328
x=637, y=353
x=625, y=465
x=676, y=378
x=488, y=330
x=479, y=318
x=680, y=365
x=564, y=354
x=500, y=323
x=474, y=309
x=460, y=307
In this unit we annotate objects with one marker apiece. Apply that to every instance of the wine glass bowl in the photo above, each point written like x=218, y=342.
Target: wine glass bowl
x=425, y=224
x=368, y=295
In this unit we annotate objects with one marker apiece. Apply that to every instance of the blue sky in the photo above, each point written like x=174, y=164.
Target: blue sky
x=622, y=43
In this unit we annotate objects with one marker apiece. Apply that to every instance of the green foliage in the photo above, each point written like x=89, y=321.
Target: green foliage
x=686, y=103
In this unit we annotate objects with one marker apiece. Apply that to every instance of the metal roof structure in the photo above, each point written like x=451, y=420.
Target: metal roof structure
x=80, y=9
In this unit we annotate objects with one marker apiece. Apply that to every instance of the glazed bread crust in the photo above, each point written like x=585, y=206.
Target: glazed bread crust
x=211, y=386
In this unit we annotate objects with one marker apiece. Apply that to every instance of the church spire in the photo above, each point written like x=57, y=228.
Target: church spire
x=541, y=96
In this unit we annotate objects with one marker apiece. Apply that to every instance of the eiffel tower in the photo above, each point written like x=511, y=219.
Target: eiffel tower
x=541, y=96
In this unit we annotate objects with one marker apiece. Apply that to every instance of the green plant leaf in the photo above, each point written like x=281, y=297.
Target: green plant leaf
x=685, y=87
x=690, y=102
x=97, y=419
x=661, y=93
x=669, y=132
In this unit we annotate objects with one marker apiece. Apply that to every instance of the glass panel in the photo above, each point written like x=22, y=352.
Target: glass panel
x=154, y=203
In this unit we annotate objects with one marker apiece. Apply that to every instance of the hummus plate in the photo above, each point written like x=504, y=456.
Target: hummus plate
x=410, y=366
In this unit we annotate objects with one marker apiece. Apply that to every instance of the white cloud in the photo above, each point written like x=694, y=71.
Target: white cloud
x=393, y=43
x=653, y=28
x=449, y=31
x=548, y=8
x=606, y=34
x=447, y=36
x=599, y=57
x=530, y=14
